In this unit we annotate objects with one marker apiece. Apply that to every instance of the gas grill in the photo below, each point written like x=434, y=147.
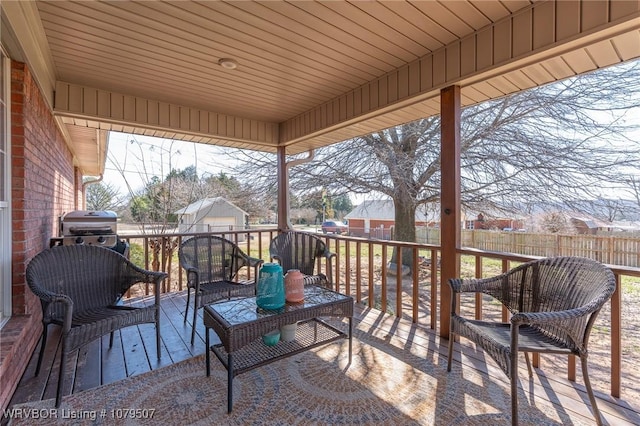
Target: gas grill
x=89, y=227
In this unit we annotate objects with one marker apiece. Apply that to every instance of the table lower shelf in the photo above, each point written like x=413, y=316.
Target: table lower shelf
x=309, y=334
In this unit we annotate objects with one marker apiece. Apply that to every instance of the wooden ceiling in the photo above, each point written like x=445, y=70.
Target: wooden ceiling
x=309, y=73
x=291, y=56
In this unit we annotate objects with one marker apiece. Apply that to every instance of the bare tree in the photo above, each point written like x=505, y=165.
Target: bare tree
x=559, y=143
x=633, y=185
x=308, y=215
x=103, y=196
x=159, y=190
x=556, y=223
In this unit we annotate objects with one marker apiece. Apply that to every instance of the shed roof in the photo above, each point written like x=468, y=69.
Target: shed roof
x=206, y=203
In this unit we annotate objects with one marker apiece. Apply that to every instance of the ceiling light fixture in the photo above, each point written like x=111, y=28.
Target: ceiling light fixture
x=228, y=63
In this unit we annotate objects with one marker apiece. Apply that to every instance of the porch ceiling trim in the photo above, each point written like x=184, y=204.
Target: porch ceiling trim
x=115, y=111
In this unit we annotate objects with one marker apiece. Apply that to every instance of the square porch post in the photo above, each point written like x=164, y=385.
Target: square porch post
x=449, y=200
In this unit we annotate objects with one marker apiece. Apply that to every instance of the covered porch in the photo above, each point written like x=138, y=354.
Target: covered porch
x=278, y=77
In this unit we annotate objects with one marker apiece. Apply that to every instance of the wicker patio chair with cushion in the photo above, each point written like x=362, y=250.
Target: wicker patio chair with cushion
x=212, y=264
x=554, y=303
x=80, y=287
x=300, y=250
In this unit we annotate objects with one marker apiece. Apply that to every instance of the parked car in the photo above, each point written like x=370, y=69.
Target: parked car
x=334, y=226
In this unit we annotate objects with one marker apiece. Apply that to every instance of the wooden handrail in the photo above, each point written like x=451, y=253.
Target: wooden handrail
x=360, y=270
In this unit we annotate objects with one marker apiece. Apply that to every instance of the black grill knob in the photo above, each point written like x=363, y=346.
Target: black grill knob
x=101, y=239
x=79, y=240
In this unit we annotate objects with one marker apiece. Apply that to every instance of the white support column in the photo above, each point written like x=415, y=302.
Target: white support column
x=283, y=190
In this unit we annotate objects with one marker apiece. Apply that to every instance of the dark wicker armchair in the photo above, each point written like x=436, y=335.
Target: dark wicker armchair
x=299, y=250
x=554, y=303
x=212, y=264
x=80, y=287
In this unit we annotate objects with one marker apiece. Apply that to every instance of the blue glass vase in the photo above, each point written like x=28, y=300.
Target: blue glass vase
x=270, y=287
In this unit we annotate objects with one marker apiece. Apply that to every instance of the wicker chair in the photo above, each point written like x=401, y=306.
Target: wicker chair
x=80, y=287
x=212, y=264
x=554, y=303
x=299, y=250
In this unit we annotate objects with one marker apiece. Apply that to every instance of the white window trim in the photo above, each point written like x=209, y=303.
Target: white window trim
x=5, y=206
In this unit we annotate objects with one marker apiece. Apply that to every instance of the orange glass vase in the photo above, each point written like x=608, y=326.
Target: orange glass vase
x=294, y=286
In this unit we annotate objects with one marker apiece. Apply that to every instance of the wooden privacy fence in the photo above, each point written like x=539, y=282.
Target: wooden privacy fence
x=610, y=249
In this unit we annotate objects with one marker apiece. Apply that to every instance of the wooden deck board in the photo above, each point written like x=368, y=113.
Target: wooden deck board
x=178, y=332
x=32, y=387
x=112, y=359
x=134, y=352
x=89, y=367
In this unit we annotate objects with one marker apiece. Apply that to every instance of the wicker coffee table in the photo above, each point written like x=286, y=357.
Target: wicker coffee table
x=240, y=326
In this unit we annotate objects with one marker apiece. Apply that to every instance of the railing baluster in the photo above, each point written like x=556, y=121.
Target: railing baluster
x=358, y=269
x=434, y=289
x=415, y=285
x=336, y=275
x=616, y=339
x=371, y=296
x=347, y=268
x=478, y=313
x=505, y=311
x=383, y=287
x=399, y=282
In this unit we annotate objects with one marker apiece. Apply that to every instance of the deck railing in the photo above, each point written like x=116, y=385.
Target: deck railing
x=363, y=269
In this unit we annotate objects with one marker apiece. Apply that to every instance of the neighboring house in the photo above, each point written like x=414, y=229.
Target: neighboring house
x=376, y=219
x=492, y=220
x=570, y=222
x=589, y=225
x=212, y=215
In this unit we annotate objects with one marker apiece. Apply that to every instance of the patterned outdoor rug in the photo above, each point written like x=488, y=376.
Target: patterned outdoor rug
x=384, y=385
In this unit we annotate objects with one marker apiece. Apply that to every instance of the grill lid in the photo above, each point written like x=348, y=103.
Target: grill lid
x=91, y=215
x=89, y=222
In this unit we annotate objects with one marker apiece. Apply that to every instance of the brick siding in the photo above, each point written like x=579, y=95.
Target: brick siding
x=45, y=185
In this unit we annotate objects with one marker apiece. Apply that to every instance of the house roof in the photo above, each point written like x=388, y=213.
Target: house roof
x=385, y=210
x=205, y=203
x=491, y=214
x=590, y=222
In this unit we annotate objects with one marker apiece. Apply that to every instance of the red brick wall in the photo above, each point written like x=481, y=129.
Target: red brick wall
x=356, y=227
x=43, y=176
x=44, y=186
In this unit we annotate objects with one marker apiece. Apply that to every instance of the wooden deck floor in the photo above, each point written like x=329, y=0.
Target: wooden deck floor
x=133, y=353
